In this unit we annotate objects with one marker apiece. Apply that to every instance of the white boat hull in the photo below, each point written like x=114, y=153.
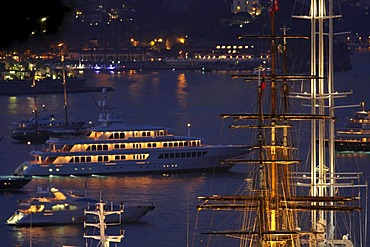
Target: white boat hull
x=210, y=161
x=67, y=217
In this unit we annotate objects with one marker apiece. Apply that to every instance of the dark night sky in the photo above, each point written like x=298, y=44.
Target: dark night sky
x=18, y=19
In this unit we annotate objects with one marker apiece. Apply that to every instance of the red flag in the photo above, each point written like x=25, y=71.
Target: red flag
x=263, y=82
x=274, y=7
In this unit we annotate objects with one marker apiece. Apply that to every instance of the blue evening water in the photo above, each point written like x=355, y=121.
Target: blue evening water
x=165, y=98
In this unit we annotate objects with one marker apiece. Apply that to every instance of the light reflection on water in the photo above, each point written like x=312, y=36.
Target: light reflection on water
x=181, y=90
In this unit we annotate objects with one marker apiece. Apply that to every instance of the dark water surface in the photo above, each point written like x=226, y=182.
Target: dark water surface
x=165, y=98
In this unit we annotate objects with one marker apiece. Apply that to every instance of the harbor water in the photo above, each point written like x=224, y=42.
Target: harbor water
x=165, y=98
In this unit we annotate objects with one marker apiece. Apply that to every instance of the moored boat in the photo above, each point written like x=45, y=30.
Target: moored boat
x=57, y=207
x=44, y=86
x=355, y=135
x=13, y=183
x=116, y=146
x=44, y=125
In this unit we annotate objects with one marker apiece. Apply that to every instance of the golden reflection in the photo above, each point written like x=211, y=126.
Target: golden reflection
x=128, y=188
x=12, y=105
x=180, y=91
x=27, y=235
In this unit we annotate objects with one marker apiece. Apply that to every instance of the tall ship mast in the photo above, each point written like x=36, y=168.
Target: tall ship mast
x=284, y=204
x=101, y=213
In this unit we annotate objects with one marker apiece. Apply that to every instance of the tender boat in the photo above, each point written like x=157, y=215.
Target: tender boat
x=57, y=207
x=355, y=136
x=116, y=146
x=10, y=182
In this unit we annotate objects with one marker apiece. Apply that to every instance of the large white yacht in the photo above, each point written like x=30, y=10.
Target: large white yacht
x=117, y=147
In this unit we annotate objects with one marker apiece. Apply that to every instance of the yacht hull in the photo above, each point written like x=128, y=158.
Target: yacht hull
x=209, y=159
x=69, y=217
x=13, y=182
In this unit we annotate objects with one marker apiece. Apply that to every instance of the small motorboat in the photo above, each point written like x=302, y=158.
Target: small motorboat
x=56, y=207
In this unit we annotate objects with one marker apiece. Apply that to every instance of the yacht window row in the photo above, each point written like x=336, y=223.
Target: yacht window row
x=107, y=147
x=181, y=155
x=181, y=144
x=23, y=125
x=107, y=158
x=123, y=135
